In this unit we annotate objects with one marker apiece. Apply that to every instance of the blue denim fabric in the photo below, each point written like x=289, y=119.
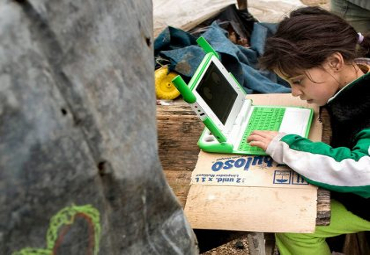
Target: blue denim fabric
x=184, y=56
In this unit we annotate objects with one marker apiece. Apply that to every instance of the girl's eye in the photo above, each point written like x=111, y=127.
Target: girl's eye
x=297, y=82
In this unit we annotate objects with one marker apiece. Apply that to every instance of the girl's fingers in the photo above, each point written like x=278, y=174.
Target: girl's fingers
x=260, y=134
x=261, y=138
x=264, y=133
x=259, y=144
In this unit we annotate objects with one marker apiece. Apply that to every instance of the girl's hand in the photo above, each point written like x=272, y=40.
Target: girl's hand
x=261, y=138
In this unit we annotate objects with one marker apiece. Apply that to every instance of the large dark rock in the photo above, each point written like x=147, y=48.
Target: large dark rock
x=79, y=168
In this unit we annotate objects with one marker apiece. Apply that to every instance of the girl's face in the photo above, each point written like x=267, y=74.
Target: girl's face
x=316, y=85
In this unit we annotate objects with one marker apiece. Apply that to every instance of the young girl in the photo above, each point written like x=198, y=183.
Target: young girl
x=316, y=52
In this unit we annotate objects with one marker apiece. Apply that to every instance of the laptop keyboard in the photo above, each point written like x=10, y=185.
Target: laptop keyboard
x=262, y=118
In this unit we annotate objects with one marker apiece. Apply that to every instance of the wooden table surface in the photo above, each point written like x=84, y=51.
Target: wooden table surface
x=178, y=132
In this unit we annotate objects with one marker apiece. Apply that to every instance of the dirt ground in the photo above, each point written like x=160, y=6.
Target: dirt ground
x=238, y=246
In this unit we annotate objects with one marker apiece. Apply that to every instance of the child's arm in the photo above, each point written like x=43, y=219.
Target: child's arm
x=339, y=169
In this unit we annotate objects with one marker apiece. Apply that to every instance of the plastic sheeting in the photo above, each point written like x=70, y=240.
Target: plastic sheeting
x=186, y=14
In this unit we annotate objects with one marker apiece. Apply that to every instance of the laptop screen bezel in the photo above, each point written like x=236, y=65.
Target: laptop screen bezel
x=238, y=102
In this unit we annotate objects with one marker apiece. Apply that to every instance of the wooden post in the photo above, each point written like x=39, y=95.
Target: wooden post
x=356, y=244
x=242, y=4
x=256, y=242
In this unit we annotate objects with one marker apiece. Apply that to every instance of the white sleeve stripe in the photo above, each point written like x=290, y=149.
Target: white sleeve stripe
x=322, y=168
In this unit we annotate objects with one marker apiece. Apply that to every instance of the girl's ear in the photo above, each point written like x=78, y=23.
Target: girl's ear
x=335, y=61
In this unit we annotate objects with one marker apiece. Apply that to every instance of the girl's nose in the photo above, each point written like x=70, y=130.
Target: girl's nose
x=296, y=92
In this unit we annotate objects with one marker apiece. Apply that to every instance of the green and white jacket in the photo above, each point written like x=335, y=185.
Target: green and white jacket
x=343, y=166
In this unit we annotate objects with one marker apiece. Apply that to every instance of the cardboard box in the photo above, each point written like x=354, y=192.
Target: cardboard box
x=252, y=193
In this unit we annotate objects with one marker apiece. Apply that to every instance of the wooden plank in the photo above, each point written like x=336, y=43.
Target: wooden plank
x=323, y=207
x=242, y=209
x=180, y=184
x=178, y=132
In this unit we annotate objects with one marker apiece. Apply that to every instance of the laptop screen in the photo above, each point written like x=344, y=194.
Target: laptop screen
x=217, y=92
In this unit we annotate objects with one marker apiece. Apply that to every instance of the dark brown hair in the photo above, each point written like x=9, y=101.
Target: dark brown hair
x=306, y=38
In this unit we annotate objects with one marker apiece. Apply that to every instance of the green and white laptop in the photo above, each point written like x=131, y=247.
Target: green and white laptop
x=229, y=116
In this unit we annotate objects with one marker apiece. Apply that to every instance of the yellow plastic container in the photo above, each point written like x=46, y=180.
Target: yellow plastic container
x=164, y=88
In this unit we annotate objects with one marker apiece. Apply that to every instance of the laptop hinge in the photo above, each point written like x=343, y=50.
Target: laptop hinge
x=243, y=113
x=239, y=124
